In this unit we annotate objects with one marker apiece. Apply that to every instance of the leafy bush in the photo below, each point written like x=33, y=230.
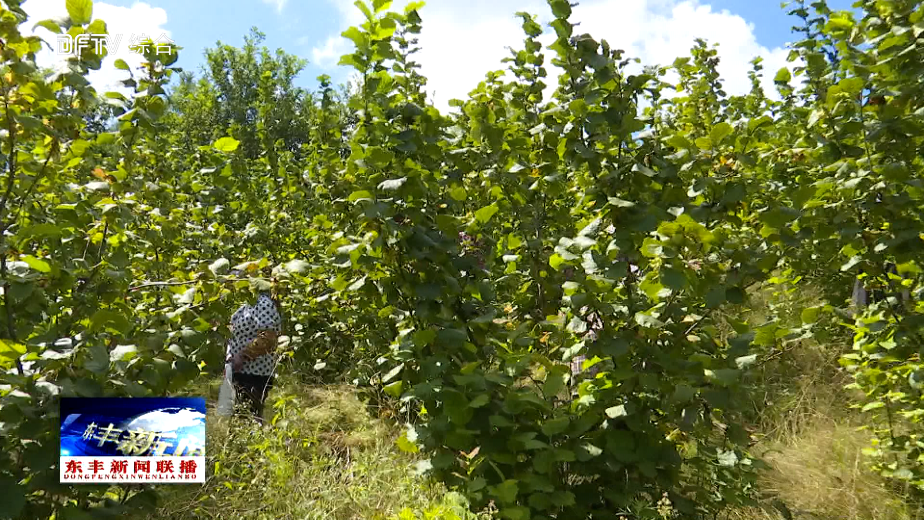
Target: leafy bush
x=457, y=263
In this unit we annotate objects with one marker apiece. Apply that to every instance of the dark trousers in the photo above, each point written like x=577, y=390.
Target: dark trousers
x=253, y=389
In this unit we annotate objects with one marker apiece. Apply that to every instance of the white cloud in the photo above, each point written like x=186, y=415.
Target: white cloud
x=660, y=31
x=278, y=3
x=168, y=421
x=461, y=41
x=349, y=13
x=123, y=24
x=329, y=54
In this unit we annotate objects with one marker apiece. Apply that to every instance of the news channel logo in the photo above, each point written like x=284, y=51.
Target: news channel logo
x=75, y=46
x=133, y=440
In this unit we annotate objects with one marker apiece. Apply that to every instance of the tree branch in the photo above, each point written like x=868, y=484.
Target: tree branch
x=190, y=282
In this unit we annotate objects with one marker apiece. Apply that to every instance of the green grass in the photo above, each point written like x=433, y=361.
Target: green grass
x=813, y=444
x=323, y=457
x=809, y=434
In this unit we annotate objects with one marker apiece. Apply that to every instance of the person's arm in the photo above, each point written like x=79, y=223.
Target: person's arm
x=239, y=322
x=264, y=343
x=268, y=322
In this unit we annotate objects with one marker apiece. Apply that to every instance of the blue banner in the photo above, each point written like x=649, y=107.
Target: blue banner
x=133, y=427
x=133, y=440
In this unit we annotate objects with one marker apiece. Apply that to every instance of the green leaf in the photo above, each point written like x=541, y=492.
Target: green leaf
x=617, y=411
x=590, y=229
x=814, y=117
x=220, y=266
x=456, y=407
x=386, y=29
x=51, y=25
x=20, y=291
x=123, y=353
x=720, y=132
x=641, y=168
x=37, y=264
x=361, y=5
x=780, y=216
x=38, y=231
x=745, y=361
x=458, y=193
x=715, y=297
x=358, y=284
x=79, y=146
x=679, y=141
x=587, y=451
x=413, y=6
x=515, y=513
x=854, y=260
x=80, y=11
x=392, y=184
x=754, y=124
x=11, y=349
x=360, y=195
x=296, y=266
x=683, y=394
x=405, y=444
x=782, y=76
x=226, y=144
x=555, y=426
x=648, y=321
x=652, y=247
x=703, y=143
x=560, y=8
x=29, y=122
x=98, y=358
x=554, y=383
x=619, y=203
x=916, y=379
x=555, y=261
x=358, y=37
x=499, y=421
x=810, y=314
x=852, y=86
x=394, y=389
x=97, y=27
x=484, y=214
x=727, y=458
x=121, y=64
x=839, y=23
x=109, y=319
x=14, y=497
x=722, y=376
x=393, y=373
x=379, y=157
x=506, y=492
x=673, y=278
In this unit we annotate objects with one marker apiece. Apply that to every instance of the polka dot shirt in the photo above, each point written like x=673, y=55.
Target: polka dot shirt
x=246, y=323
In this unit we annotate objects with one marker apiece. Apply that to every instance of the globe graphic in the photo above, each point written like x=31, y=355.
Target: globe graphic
x=187, y=424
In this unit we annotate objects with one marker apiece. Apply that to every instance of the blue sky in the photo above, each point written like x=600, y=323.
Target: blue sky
x=462, y=39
